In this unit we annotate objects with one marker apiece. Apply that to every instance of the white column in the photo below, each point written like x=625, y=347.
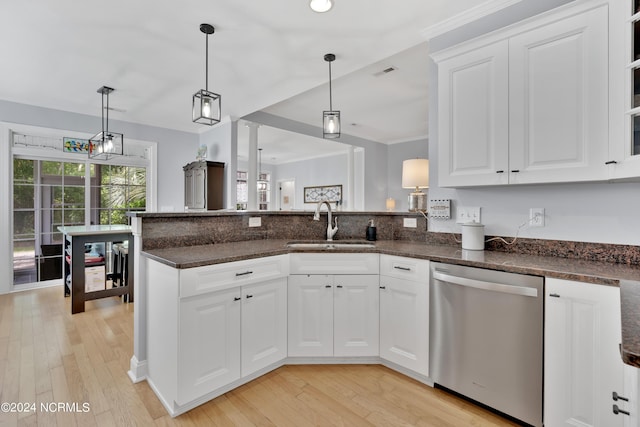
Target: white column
x=350, y=180
x=252, y=167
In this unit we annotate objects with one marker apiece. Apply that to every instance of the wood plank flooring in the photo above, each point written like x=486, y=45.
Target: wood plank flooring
x=49, y=356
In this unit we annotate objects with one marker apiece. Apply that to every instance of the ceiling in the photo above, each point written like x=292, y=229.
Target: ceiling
x=264, y=55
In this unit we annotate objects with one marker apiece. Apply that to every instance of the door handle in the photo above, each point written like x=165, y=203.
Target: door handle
x=617, y=411
x=487, y=286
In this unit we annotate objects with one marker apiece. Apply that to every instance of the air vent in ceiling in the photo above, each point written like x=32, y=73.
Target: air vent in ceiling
x=385, y=71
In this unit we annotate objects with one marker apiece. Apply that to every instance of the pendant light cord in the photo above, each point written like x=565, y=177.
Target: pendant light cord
x=107, y=113
x=330, y=103
x=206, y=66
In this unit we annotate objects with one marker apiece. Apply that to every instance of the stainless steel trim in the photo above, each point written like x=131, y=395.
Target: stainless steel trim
x=489, y=286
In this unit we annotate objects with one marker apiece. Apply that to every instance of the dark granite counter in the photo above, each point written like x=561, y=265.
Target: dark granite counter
x=598, y=272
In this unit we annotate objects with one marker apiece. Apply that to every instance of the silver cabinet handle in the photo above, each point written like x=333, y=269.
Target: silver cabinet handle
x=244, y=273
x=488, y=286
x=617, y=411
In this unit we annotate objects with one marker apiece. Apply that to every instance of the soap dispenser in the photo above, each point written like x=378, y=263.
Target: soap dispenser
x=371, y=231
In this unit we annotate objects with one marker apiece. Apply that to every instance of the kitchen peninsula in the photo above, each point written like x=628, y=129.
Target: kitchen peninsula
x=222, y=249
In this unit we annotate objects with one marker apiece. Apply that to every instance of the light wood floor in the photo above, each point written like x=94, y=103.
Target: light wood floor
x=47, y=355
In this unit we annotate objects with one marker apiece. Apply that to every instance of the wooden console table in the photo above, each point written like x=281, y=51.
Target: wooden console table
x=75, y=238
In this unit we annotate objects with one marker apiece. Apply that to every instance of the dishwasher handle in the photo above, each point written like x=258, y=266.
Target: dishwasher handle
x=488, y=286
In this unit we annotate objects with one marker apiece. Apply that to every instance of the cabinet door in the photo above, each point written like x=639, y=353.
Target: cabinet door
x=209, y=343
x=473, y=117
x=264, y=324
x=310, y=320
x=404, y=323
x=356, y=315
x=200, y=188
x=582, y=361
x=558, y=100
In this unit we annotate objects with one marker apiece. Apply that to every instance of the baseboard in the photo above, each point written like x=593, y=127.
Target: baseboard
x=137, y=370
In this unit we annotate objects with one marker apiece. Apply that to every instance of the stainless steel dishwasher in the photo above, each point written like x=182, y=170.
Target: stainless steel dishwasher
x=486, y=337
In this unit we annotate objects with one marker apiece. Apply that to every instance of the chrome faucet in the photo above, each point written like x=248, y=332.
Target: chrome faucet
x=331, y=230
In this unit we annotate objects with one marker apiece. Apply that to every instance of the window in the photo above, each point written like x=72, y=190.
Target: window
x=56, y=191
x=634, y=67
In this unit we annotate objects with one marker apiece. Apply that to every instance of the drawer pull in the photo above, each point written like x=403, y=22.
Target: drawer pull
x=500, y=171
x=398, y=267
x=615, y=396
x=339, y=286
x=383, y=287
x=249, y=296
x=244, y=273
x=610, y=162
x=556, y=296
x=617, y=410
x=327, y=286
x=515, y=170
x=237, y=299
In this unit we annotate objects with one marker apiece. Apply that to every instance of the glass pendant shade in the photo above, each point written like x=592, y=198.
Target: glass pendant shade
x=106, y=144
x=331, y=124
x=206, y=107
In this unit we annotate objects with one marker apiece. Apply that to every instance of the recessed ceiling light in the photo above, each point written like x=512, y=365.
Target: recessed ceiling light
x=321, y=6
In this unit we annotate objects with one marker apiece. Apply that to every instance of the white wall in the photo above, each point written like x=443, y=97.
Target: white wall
x=588, y=212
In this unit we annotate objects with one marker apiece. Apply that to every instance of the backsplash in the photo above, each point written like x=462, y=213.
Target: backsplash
x=166, y=230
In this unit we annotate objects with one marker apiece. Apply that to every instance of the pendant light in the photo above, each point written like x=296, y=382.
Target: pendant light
x=321, y=6
x=330, y=119
x=206, y=105
x=105, y=144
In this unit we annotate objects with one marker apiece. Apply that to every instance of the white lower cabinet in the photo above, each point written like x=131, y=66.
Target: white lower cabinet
x=583, y=366
x=204, y=343
x=208, y=344
x=404, y=312
x=264, y=325
x=333, y=315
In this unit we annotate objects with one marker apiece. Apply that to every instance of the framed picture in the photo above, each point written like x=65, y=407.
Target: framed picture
x=331, y=193
x=75, y=145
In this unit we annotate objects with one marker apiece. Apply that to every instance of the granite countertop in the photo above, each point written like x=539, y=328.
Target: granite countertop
x=627, y=277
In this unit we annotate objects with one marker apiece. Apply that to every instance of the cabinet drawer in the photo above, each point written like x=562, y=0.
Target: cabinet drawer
x=199, y=280
x=334, y=263
x=404, y=268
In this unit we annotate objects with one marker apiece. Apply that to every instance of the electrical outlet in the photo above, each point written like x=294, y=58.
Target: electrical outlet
x=255, y=221
x=536, y=217
x=467, y=214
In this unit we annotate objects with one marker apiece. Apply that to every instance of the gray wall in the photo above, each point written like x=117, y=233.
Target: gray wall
x=587, y=212
x=330, y=170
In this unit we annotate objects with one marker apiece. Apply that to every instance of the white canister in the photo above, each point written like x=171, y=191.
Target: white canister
x=473, y=236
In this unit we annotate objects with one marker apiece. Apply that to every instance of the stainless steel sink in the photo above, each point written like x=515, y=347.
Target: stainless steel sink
x=331, y=245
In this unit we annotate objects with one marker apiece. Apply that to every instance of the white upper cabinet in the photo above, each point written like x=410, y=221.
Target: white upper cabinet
x=527, y=105
x=474, y=117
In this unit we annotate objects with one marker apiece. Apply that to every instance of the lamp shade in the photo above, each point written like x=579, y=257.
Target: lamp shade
x=415, y=173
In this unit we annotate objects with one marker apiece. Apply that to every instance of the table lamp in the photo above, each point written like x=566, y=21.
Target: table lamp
x=415, y=175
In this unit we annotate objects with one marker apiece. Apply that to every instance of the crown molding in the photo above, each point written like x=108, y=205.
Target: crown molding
x=473, y=14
